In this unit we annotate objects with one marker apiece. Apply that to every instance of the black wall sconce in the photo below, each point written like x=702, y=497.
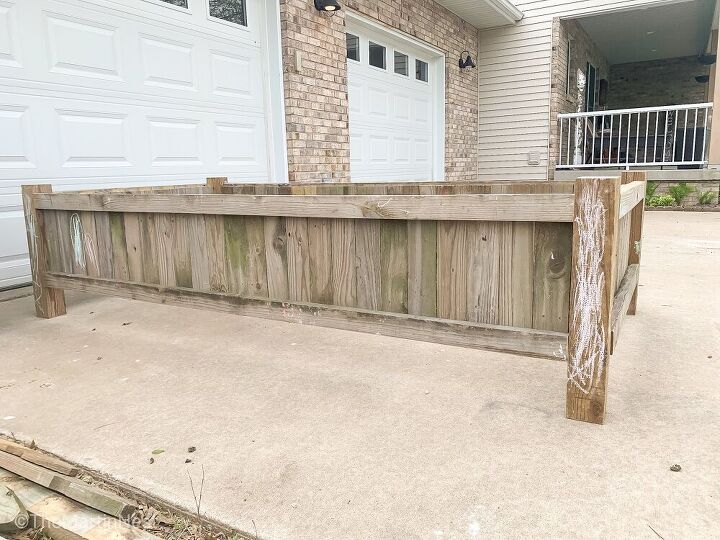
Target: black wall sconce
x=467, y=62
x=328, y=6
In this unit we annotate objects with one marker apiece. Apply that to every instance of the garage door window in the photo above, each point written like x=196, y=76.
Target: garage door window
x=353, y=47
x=376, y=54
x=401, y=63
x=229, y=10
x=421, y=70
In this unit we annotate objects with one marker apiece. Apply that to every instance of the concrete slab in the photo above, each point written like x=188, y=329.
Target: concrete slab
x=318, y=433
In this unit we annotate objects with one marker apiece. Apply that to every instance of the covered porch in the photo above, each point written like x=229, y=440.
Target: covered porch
x=634, y=89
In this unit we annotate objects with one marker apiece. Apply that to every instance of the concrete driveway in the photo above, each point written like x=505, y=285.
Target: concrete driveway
x=319, y=433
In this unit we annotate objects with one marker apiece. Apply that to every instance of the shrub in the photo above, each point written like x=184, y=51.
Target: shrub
x=707, y=197
x=680, y=191
x=650, y=189
x=661, y=200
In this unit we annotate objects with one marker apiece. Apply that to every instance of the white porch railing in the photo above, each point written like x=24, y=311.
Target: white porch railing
x=648, y=136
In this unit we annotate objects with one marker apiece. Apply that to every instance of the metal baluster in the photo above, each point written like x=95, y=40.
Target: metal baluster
x=560, y=142
x=602, y=137
x=627, y=145
x=657, y=115
x=705, y=130
x=694, y=135
x=592, y=158
x=568, y=141
x=620, y=124
x=682, y=156
x=637, y=137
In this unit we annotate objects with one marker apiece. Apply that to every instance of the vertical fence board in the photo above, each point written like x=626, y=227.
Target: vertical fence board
x=164, y=234
x=245, y=267
x=393, y=266
x=553, y=260
x=516, y=274
x=133, y=243
x=181, y=251
x=367, y=255
x=54, y=259
x=277, y=258
x=119, y=250
x=64, y=241
x=298, y=257
x=422, y=268
x=215, y=231
x=452, y=270
x=90, y=244
x=199, y=253
x=149, y=248
x=483, y=246
x=104, y=244
x=344, y=280
x=320, y=251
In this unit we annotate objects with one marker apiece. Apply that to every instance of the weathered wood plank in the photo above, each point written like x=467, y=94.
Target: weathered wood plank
x=104, y=244
x=321, y=262
x=181, y=250
x=277, y=258
x=215, y=234
x=49, y=302
x=483, y=273
x=344, y=279
x=631, y=194
x=149, y=248
x=164, y=240
x=393, y=267
x=621, y=302
x=298, y=250
x=553, y=263
x=422, y=268
x=119, y=249
x=517, y=270
x=90, y=243
x=38, y=458
x=553, y=207
x=464, y=334
x=367, y=255
x=245, y=264
x=452, y=257
x=63, y=239
x=636, y=229
x=591, y=305
x=199, y=253
x=77, y=490
x=133, y=244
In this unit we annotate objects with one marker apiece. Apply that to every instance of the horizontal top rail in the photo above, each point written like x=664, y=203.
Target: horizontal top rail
x=631, y=195
x=552, y=207
x=637, y=110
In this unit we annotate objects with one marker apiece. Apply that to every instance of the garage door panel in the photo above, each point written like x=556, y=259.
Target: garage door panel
x=104, y=93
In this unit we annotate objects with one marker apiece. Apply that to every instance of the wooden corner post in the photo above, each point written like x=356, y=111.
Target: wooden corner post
x=597, y=206
x=49, y=302
x=637, y=215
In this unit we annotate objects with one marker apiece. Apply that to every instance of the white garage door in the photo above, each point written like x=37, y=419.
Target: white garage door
x=396, y=94
x=95, y=93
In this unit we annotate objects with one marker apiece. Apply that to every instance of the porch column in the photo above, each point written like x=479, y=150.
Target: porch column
x=714, y=96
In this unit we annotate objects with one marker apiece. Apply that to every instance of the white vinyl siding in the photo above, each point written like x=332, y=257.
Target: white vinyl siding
x=514, y=89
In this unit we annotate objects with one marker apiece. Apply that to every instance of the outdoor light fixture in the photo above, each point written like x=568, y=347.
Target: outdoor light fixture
x=467, y=62
x=327, y=5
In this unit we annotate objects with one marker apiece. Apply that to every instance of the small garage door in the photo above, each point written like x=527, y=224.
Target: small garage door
x=395, y=89
x=98, y=93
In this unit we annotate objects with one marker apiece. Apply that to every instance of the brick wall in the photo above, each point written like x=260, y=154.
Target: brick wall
x=656, y=83
x=582, y=51
x=316, y=95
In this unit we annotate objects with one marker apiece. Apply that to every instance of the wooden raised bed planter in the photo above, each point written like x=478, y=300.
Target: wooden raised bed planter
x=536, y=269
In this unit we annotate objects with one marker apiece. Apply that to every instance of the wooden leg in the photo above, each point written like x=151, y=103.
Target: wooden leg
x=636, y=228
x=49, y=302
x=597, y=203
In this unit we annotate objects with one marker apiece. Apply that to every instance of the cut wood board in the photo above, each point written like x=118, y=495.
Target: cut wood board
x=62, y=518
x=38, y=458
x=77, y=490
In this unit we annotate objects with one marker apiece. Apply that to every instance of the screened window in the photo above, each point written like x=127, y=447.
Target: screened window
x=401, y=63
x=353, y=47
x=376, y=55
x=229, y=10
x=421, y=70
x=179, y=3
